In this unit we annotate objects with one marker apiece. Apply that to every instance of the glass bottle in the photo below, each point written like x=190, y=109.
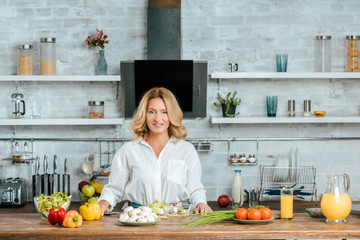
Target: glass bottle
x=25, y=59
x=102, y=64
x=47, y=56
x=323, y=53
x=16, y=153
x=237, y=190
x=352, y=46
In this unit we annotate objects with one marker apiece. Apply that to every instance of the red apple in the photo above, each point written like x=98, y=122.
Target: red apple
x=81, y=184
x=223, y=201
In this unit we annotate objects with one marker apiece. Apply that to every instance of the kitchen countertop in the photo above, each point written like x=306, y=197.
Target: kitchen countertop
x=20, y=223
x=30, y=226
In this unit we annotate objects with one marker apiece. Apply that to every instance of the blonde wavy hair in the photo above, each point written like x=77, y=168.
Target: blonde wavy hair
x=139, y=126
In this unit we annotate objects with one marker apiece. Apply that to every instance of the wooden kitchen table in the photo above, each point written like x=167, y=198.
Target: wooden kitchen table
x=30, y=226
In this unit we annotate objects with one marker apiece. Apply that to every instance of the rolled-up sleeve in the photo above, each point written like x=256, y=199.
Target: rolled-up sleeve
x=114, y=190
x=195, y=187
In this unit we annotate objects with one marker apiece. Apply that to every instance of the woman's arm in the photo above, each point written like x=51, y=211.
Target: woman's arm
x=194, y=184
x=114, y=190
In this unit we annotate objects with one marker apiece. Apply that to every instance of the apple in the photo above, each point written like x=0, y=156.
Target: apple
x=81, y=184
x=93, y=199
x=96, y=195
x=84, y=199
x=223, y=201
x=88, y=190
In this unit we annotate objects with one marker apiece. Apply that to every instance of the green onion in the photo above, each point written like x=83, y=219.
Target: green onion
x=211, y=217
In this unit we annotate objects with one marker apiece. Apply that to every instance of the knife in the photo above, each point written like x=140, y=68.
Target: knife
x=66, y=179
x=36, y=179
x=45, y=178
x=56, y=177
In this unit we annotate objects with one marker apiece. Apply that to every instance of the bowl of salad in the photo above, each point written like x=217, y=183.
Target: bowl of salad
x=44, y=203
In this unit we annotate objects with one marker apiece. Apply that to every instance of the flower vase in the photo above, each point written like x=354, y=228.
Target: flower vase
x=102, y=65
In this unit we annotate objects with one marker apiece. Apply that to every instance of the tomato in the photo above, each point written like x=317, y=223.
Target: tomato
x=265, y=213
x=241, y=213
x=254, y=214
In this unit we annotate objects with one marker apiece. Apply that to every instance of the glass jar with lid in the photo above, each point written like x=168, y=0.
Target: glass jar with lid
x=47, y=56
x=352, y=56
x=323, y=53
x=96, y=109
x=25, y=59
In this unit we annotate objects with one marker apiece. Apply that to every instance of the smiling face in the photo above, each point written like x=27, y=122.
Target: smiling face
x=157, y=118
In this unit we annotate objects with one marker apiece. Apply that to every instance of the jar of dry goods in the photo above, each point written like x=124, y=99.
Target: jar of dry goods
x=47, y=56
x=352, y=46
x=323, y=53
x=96, y=109
x=25, y=59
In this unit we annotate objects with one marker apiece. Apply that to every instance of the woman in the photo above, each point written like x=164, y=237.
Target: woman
x=158, y=164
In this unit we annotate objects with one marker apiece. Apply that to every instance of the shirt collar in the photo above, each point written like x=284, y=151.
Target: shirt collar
x=142, y=141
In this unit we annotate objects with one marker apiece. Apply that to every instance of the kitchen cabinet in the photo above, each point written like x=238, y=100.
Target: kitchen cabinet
x=227, y=76
x=60, y=121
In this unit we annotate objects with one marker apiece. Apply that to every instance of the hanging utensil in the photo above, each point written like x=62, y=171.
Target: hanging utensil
x=66, y=179
x=87, y=165
x=45, y=178
x=36, y=179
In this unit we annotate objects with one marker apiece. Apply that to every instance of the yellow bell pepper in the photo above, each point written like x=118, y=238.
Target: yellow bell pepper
x=72, y=219
x=90, y=211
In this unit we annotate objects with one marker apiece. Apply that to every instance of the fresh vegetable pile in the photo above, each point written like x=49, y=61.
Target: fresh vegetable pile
x=139, y=215
x=45, y=202
x=211, y=217
x=256, y=213
x=161, y=208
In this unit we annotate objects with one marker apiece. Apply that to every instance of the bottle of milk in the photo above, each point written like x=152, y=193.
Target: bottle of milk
x=237, y=190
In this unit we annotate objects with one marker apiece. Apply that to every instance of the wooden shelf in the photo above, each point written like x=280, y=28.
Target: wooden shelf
x=283, y=119
x=285, y=75
x=61, y=78
x=60, y=121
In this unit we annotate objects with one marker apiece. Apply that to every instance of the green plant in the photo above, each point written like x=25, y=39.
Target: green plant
x=229, y=100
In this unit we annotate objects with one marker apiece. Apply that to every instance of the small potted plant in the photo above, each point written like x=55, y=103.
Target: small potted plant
x=228, y=104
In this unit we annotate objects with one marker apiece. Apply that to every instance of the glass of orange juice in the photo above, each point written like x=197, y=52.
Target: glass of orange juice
x=286, y=204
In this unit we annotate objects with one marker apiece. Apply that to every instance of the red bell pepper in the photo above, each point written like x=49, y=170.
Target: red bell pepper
x=56, y=215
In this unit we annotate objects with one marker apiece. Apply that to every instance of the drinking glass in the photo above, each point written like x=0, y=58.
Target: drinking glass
x=253, y=197
x=35, y=109
x=271, y=105
x=286, y=204
x=281, y=62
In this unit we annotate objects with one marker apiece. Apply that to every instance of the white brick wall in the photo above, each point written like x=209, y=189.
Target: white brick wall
x=247, y=32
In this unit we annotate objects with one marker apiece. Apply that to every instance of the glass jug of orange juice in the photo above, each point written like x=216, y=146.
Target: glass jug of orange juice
x=336, y=202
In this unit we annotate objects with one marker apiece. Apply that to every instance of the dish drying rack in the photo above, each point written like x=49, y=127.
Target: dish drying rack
x=300, y=179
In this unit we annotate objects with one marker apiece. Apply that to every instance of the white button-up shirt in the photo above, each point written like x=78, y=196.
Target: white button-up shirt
x=139, y=176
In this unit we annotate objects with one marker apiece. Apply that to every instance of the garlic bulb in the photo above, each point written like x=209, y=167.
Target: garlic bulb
x=134, y=212
x=128, y=209
x=143, y=213
x=150, y=218
x=123, y=217
x=141, y=220
x=133, y=218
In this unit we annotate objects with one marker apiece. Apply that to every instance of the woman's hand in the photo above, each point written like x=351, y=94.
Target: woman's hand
x=203, y=208
x=105, y=206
